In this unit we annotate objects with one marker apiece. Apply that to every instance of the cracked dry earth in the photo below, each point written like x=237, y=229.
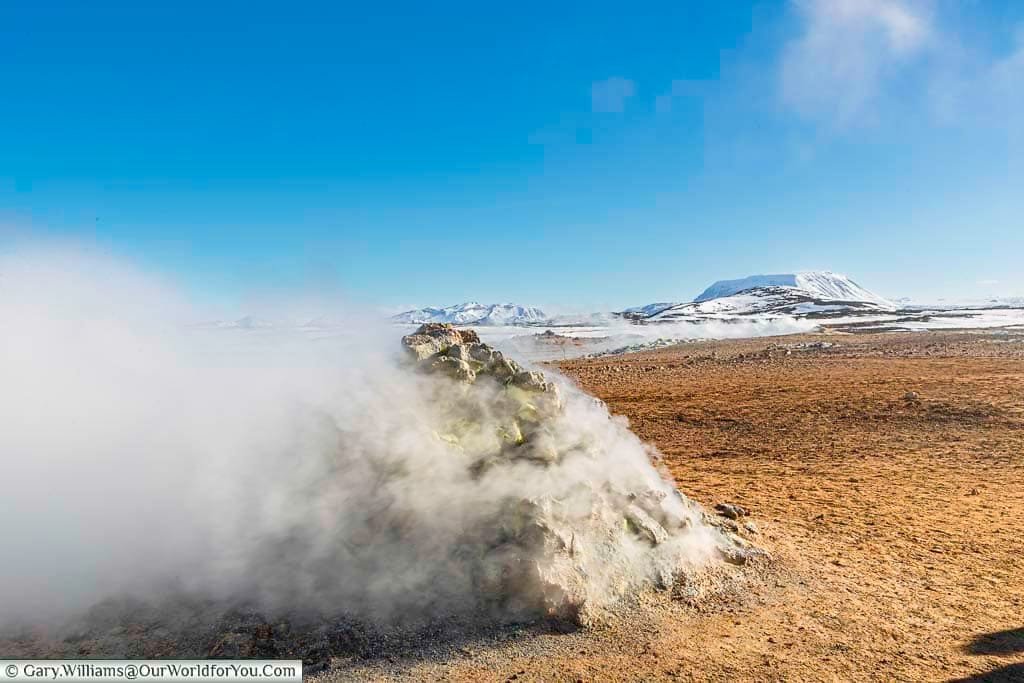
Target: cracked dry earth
x=885, y=474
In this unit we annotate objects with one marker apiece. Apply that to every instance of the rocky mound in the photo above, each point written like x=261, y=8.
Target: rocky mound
x=563, y=551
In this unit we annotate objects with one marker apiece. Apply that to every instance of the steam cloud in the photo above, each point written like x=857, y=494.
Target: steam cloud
x=139, y=453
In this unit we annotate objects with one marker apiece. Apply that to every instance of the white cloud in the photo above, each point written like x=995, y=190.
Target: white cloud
x=852, y=57
x=610, y=95
x=836, y=67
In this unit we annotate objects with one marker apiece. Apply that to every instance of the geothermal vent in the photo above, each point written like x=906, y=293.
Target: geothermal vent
x=576, y=515
x=449, y=486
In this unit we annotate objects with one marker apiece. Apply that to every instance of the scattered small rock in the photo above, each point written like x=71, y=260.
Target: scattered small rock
x=731, y=510
x=734, y=556
x=727, y=524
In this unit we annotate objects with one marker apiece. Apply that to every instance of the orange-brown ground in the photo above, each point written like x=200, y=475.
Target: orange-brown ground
x=896, y=523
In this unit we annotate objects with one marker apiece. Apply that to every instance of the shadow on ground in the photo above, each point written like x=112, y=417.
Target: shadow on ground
x=998, y=643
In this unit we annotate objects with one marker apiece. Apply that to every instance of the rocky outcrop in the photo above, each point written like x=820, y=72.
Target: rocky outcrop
x=521, y=401
x=563, y=552
x=435, y=338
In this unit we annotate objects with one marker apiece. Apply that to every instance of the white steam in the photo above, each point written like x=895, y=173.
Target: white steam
x=138, y=453
x=619, y=334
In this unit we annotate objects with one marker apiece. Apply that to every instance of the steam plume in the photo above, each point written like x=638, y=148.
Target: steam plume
x=297, y=474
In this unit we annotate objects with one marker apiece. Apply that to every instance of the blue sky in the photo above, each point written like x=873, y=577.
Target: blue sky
x=578, y=156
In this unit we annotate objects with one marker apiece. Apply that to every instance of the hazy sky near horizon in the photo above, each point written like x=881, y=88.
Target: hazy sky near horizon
x=570, y=155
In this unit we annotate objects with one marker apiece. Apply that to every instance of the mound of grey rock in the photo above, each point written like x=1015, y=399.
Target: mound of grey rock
x=564, y=551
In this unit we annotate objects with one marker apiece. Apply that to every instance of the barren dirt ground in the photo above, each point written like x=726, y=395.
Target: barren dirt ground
x=895, y=522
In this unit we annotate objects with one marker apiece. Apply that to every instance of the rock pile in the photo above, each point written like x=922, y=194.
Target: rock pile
x=518, y=412
x=564, y=551
x=460, y=354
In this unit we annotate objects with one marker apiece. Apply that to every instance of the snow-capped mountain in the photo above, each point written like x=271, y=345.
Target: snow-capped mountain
x=766, y=302
x=817, y=294
x=473, y=313
x=820, y=284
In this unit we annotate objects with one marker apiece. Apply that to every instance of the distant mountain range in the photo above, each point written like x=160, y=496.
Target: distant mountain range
x=473, y=313
x=809, y=294
x=821, y=295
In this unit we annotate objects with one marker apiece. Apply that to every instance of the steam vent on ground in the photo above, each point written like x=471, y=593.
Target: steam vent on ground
x=573, y=514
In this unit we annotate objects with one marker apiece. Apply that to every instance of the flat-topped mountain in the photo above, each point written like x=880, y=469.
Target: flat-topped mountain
x=807, y=294
x=819, y=284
